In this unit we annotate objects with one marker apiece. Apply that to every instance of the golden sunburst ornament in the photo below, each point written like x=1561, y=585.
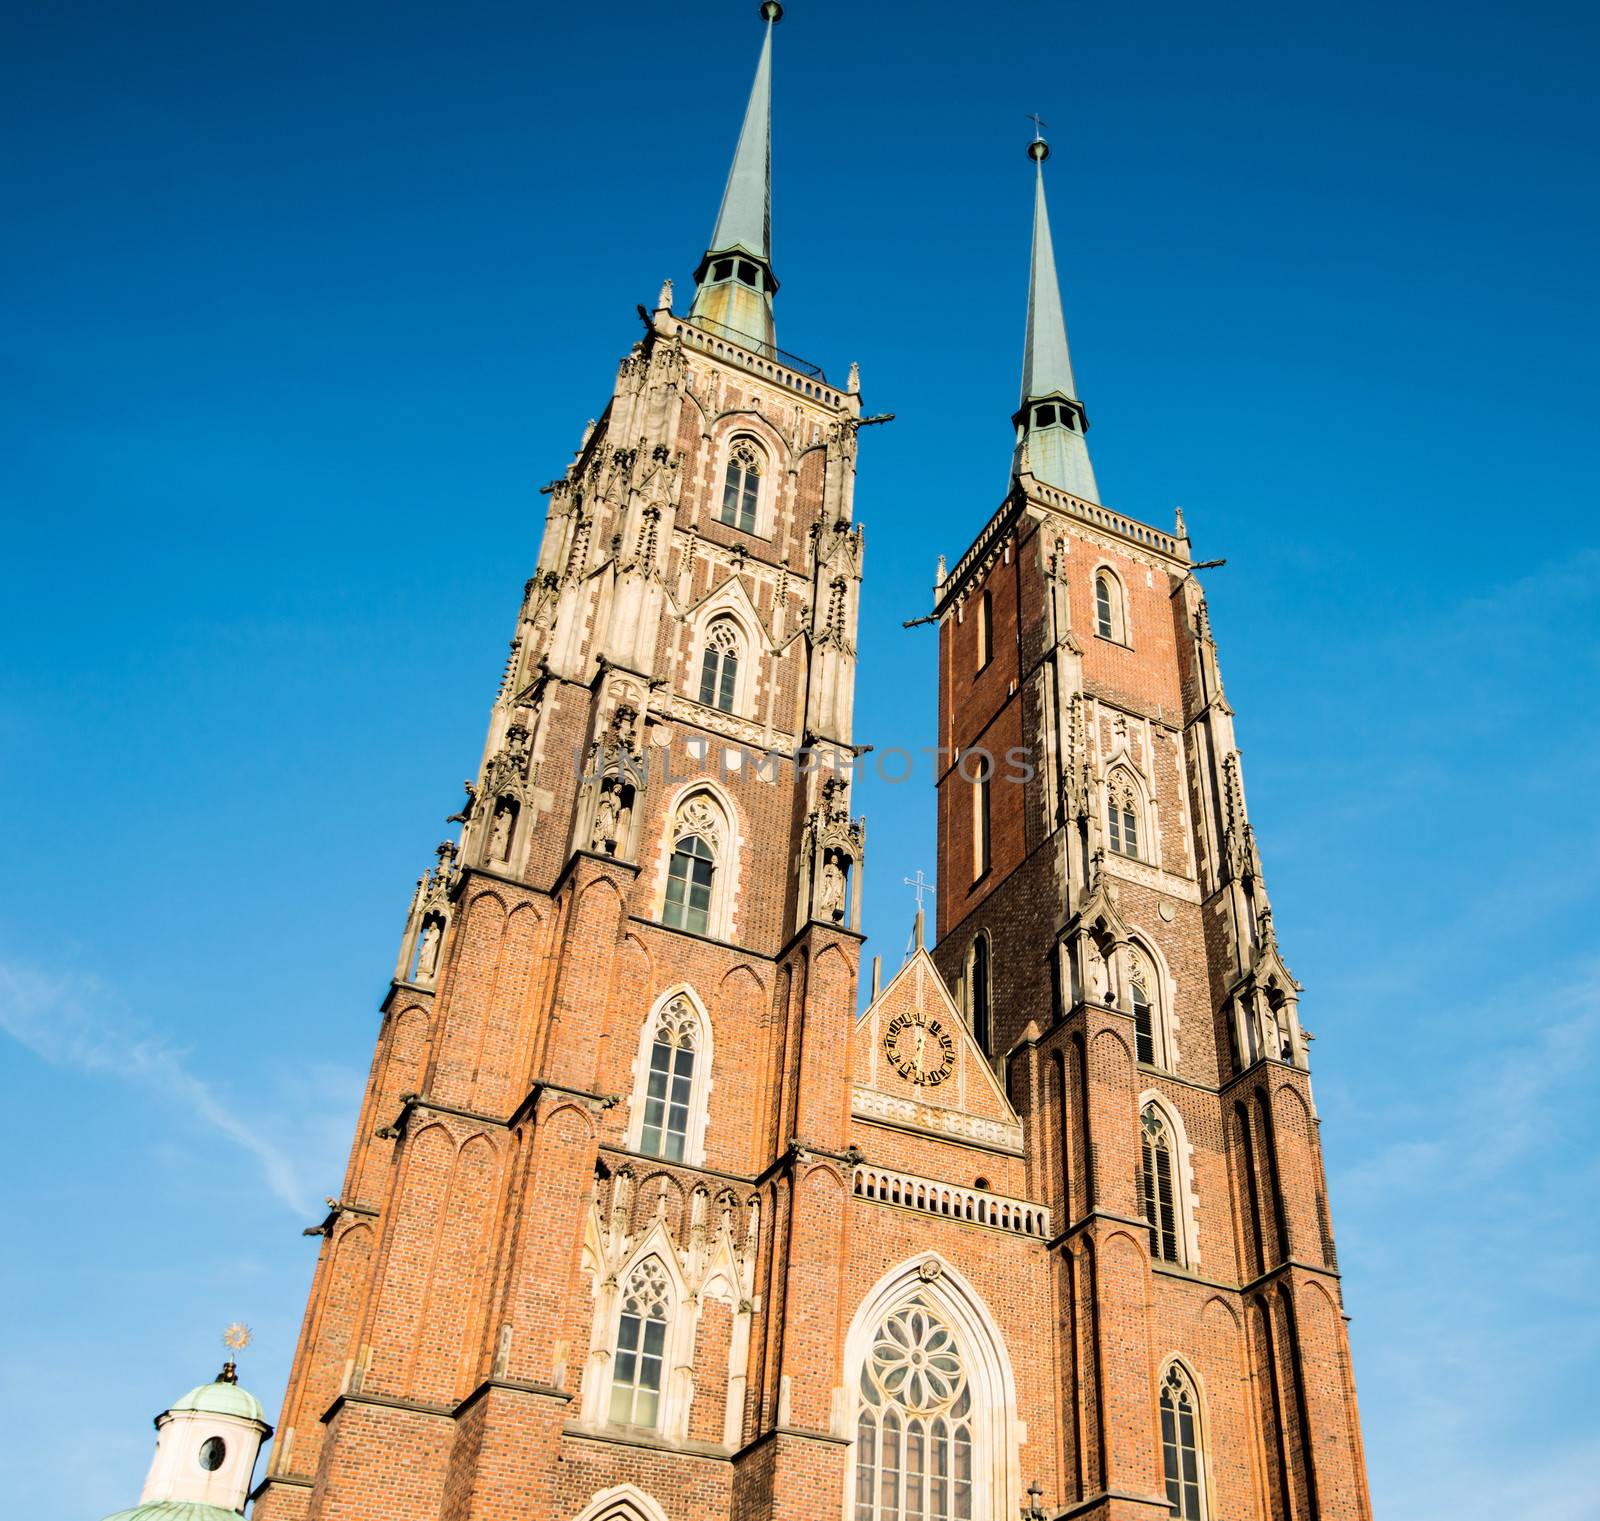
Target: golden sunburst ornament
x=237, y=1337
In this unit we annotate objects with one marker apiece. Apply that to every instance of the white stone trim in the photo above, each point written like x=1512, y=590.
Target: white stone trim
x=749, y=733
x=622, y=1502
x=969, y=1206
x=907, y=1114
x=1130, y=870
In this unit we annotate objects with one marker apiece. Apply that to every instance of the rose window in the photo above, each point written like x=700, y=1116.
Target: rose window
x=913, y=1449
x=914, y=1360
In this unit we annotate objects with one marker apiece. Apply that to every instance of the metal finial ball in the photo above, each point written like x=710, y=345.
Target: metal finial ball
x=1038, y=150
x=771, y=10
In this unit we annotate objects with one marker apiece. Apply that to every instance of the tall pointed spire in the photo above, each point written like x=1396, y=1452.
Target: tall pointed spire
x=1051, y=422
x=734, y=284
x=744, y=220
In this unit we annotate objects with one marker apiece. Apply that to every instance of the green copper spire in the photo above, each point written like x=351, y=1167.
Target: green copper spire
x=734, y=283
x=1050, y=422
x=744, y=221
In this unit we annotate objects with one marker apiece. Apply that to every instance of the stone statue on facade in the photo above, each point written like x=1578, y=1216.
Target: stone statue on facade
x=500, y=833
x=1098, y=986
x=428, y=951
x=606, y=814
x=830, y=891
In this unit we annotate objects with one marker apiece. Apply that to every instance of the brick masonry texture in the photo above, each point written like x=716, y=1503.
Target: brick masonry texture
x=458, y=1349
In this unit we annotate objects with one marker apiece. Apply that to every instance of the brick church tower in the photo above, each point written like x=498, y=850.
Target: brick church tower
x=641, y=1221
x=1105, y=928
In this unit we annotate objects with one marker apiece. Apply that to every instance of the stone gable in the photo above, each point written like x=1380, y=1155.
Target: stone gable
x=915, y=1065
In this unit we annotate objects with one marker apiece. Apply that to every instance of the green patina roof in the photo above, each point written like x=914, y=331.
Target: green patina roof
x=175, y=1510
x=1046, y=367
x=745, y=218
x=1059, y=457
x=222, y=1398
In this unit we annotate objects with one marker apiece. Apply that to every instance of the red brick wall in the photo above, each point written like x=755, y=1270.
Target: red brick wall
x=1076, y=1086
x=454, y=1299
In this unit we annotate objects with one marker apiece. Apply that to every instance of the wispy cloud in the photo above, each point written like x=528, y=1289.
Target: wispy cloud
x=1475, y=1325
x=1493, y=1093
x=71, y=1020
x=1464, y=1145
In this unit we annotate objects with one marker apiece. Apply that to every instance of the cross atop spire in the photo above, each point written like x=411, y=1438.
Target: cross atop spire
x=734, y=284
x=1051, y=422
x=919, y=886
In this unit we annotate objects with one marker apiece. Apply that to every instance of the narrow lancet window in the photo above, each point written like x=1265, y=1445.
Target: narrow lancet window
x=1158, y=1185
x=665, y=1132
x=689, y=880
x=641, y=1346
x=982, y=827
x=719, y=667
x=1180, y=1445
x=1104, y=612
x=741, y=486
x=980, y=991
x=1144, y=1026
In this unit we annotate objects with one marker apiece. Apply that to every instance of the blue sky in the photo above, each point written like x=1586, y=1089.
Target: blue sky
x=306, y=302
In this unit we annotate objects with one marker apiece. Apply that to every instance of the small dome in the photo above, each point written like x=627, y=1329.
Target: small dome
x=223, y=1398
x=175, y=1510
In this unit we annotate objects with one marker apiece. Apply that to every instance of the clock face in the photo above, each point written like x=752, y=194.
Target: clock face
x=920, y=1048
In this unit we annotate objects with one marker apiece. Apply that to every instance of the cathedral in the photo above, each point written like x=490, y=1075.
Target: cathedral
x=642, y=1220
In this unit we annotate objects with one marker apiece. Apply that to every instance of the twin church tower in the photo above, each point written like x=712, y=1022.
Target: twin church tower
x=641, y=1221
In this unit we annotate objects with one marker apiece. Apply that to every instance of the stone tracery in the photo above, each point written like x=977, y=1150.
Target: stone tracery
x=914, y=1439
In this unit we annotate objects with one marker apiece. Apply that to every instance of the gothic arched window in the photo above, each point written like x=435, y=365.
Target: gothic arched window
x=1122, y=815
x=1102, y=607
x=636, y=1379
x=741, y=487
x=719, y=666
x=1144, y=1025
x=672, y=1079
x=697, y=888
x=689, y=881
x=980, y=772
x=1158, y=1185
x=978, y=973
x=1109, y=620
x=985, y=630
x=1152, y=1039
x=914, y=1434
x=1180, y=1444
x=669, y=1087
